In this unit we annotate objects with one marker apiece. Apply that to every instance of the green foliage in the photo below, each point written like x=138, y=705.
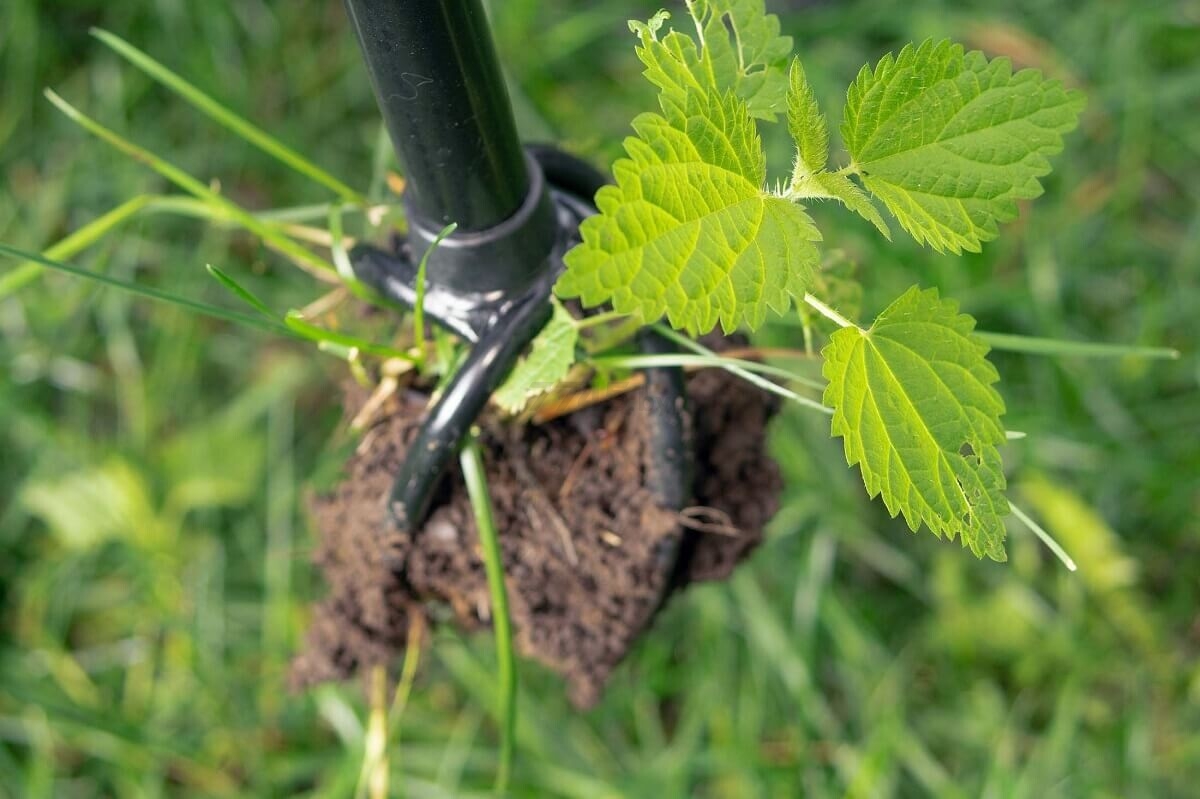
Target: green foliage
x=836, y=186
x=689, y=231
x=837, y=285
x=950, y=141
x=947, y=140
x=810, y=132
x=739, y=51
x=807, y=125
x=742, y=52
x=914, y=402
x=839, y=661
x=550, y=358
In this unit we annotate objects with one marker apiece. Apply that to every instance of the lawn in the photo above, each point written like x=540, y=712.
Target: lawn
x=156, y=464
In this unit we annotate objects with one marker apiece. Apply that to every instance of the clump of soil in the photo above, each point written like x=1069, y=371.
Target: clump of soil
x=587, y=550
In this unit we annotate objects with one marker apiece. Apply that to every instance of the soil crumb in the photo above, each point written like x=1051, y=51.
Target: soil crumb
x=587, y=550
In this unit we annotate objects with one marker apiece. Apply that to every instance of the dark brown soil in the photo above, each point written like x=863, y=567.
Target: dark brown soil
x=586, y=548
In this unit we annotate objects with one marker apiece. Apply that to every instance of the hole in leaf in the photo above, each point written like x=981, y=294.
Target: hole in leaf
x=727, y=21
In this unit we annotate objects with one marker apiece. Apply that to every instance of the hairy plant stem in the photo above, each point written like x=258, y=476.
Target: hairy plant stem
x=829, y=313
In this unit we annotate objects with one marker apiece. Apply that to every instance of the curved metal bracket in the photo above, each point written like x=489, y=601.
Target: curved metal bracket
x=499, y=325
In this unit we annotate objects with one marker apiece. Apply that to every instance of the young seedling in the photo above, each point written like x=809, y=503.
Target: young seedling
x=695, y=233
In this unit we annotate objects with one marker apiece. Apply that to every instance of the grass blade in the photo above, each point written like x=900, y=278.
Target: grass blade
x=318, y=211
x=297, y=324
x=373, y=777
x=1045, y=537
x=146, y=291
x=1072, y=349
x=337, y=245
x=265, y=231
x=293, y=324
x=239, y=291
x=73, y=244
x=419, y=306
x=181, y=205
x=471, y=460
x=226, y=118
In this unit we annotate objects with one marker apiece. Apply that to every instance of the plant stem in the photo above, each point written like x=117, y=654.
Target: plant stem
x=570, y=403
x=615, y=336
x=598, y=319
x=471, y=461
x=408, y=673
x=373, y=776
x=743, y=369
x=829, y=313
x=408, y=670
x=1047, y=539
x=1081, y=349
x=736, y=364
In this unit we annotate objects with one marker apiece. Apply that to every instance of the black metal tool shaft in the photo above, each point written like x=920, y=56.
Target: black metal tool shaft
x=439, y=86
x=438, y=83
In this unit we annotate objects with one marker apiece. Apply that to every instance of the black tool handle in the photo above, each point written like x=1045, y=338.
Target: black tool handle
x=438, y=83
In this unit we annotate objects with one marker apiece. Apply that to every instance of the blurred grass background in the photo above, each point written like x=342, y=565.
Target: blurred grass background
x=154, y=571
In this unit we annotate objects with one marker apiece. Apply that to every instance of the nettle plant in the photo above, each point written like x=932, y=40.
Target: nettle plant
x=695, y=232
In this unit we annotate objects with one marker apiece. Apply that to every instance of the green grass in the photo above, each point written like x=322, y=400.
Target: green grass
x=154, y=463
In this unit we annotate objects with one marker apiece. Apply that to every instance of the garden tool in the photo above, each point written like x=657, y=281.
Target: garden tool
x=437, y=81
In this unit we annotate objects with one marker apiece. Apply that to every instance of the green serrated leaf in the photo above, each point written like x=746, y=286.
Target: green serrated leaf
x=949, y=141
x=745, y=52
x=739, y=50
x=650, y=28
x=807, y=125
x=550, y=358
x=914, y=402
x=669, y=62
x=688, y=231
